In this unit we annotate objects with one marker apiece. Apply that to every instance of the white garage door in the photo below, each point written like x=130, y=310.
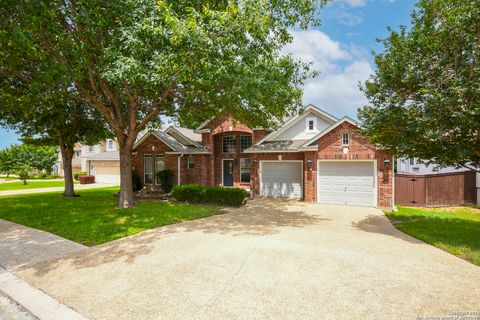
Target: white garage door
x=281, y=179
x=346, y=183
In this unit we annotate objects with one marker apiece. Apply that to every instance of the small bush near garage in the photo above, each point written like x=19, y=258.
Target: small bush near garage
x=219, y=195
x=189, y=193
x=86, y=179
x=78, y=174
x=227, y=196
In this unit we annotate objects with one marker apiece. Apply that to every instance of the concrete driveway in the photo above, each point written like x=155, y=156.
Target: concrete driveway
x=268, y=260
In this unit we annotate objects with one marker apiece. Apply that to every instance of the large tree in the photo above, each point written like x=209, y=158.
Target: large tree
x=136, y=60
x=47, y=115
x=425, y=94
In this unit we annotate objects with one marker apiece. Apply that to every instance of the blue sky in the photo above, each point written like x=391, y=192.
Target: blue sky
x=340, y=49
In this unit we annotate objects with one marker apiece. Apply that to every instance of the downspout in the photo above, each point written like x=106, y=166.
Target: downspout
x=178, y=169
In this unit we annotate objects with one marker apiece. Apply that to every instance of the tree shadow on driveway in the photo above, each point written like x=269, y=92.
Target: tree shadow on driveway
x=260, y=217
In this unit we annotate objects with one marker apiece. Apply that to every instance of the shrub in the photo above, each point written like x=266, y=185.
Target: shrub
x=23, y=172
x=189, y=193
x=77, y=174
x=166, y=180
x=86, y=179
x=220, y=195
x=136, y=182
x=227, y=196
x=40, y=175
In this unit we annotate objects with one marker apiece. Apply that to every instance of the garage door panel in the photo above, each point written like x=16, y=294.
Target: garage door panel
x=281, y=179
x=346, y=183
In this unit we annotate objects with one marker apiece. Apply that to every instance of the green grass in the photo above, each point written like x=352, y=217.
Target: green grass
x=455, y=230
x=92, y=219
x=31, y=184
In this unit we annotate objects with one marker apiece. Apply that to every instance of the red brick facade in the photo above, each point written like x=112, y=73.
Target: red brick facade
x=208, y=167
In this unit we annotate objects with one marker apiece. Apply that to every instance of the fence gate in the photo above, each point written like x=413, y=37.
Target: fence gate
x=446, y=189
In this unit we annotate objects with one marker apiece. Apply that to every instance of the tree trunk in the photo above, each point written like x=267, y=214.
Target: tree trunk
x=126, y=191
x=67, y=156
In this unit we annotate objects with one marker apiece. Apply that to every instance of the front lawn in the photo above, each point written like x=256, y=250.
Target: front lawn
x=92, y=219
x=31, y=184
x=455, y=230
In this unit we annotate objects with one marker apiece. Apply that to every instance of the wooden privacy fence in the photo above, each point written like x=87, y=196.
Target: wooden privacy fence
x=444, y=189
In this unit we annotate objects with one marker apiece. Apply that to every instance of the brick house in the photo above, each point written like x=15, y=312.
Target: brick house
x=312, y=156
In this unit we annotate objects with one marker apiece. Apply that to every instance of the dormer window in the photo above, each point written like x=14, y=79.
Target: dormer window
x=110, y=145
x=345, y=139
x=311, y=124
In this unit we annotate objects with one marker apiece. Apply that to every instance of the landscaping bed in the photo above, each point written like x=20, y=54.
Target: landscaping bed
x=92, y=219
x=455, y=230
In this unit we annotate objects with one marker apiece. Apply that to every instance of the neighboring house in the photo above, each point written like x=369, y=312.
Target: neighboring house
x=312, y=156
x=103, y=161
x=76, y=161
x=417, y=166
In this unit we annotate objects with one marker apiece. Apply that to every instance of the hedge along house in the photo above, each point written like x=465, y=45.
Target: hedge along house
x=312, y=156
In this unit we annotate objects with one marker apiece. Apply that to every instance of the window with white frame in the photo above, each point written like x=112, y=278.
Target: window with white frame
x=110, y=145
x=311, y=124
x=244, y=170
x=412, y=161
x=90, y=149
x=345, y=139
x=245, y=142
x=191, y=162
x=148, y=168
x=229, y=144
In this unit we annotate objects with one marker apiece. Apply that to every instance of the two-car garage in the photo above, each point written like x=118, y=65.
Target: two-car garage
x=338, y=182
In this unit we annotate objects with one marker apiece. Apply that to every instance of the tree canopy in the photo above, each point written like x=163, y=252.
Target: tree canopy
x=424, y=98
x=136, y=60
x=15, y=157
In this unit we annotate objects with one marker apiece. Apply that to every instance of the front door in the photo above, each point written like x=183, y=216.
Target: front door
x=228, y=173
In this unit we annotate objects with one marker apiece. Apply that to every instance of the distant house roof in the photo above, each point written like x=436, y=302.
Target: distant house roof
x=109, y=155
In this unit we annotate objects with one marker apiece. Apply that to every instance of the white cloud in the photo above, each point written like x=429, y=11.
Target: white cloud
x=353, y=3
x=342, y=68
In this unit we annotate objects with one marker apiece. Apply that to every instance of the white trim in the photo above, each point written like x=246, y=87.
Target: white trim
x=139, y=142
x=186, y=152
x=108, y=145
x=375, y=177
x=233, y=182
x=260, y=164
x=293, y=120
x=327, y=130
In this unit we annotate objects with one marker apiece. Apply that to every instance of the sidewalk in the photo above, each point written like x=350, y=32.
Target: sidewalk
x=41, y=190
x=20, y=247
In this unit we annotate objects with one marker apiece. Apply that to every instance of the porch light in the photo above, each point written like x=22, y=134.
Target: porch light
x=309, y=164
x=386, y=162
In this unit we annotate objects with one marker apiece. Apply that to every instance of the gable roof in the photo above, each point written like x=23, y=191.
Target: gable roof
x=294, y=119
x=307, y=145
x=172, y=143
x=188, y=135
